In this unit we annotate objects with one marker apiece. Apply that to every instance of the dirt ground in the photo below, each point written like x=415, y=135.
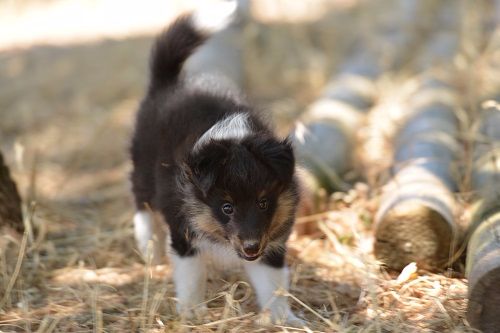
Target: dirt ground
x=66, y=114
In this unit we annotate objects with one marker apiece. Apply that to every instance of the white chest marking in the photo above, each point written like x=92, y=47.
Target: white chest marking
x=219, y=255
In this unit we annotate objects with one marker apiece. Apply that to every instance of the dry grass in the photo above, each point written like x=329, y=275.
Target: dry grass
x=66, y=115
x=89, y=277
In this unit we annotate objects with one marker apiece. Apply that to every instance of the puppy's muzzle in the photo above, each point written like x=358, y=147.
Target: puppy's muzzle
x=251, y=249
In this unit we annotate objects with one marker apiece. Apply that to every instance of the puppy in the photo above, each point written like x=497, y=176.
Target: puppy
x=209, y=164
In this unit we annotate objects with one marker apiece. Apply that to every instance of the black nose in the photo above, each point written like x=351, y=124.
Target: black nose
x=251, y=247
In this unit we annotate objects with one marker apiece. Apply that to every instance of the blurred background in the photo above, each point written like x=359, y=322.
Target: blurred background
x=343, y=78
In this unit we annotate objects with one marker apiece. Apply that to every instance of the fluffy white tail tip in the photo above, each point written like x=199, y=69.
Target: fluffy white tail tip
x=216, y=16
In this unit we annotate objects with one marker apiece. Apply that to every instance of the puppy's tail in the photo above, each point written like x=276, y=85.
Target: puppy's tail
x=176, y=44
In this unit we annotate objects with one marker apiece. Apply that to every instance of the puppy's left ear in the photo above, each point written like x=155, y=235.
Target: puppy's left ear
x=204, y=165
x=277, y=155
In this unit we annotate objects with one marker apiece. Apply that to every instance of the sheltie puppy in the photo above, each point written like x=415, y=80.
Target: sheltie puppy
x=211, y=166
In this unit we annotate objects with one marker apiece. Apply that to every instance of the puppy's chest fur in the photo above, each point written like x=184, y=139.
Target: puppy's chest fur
x=220, y=256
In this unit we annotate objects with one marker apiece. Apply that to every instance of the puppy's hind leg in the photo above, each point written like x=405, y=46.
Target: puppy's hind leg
x=146, y=228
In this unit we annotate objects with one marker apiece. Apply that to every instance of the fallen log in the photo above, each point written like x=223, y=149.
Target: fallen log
x=432, y=42
x=324, y=137
x=415, y=221
x=443, y=42
x=483, y=253
x=326, y=134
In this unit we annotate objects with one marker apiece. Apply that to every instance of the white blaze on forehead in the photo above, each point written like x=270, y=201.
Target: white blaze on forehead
x=235, y=127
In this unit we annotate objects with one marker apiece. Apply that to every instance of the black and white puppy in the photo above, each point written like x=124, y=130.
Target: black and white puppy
x=211, y=166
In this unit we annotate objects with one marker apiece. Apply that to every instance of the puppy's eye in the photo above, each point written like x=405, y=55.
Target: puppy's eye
x=262, y=204
x=227, y=208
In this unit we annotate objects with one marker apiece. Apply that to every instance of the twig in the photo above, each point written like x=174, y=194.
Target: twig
x=225, y=320
x=17, y=269
x=145, y=291
x=327, y=321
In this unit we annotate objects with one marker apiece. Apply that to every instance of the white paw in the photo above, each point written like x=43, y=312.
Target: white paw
x=190, y=312
x=294, y=321
x=269, y=318
x=288, y=319
x=213, y=17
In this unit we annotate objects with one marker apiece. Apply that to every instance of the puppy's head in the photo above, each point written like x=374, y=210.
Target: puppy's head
x=247, y=190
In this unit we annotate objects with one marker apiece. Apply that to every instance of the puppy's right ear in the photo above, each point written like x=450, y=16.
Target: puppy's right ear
x=205, y=164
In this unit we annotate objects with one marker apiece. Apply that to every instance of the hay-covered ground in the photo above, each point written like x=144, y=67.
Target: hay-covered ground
x=66, y=114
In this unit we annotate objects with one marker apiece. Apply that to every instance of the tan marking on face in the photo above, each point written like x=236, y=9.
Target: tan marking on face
x=235, y=241
x=203, y=222
x=284, y=210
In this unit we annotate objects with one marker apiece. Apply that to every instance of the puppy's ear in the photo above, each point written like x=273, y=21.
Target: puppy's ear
x=277, y=155
x=204, y=164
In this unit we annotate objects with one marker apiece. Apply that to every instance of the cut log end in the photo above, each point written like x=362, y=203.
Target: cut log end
x=484, y=302
x=413, y=232
x=483, y=272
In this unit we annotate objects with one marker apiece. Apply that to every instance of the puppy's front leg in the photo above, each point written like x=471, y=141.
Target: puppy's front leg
x=190, y=283
x=189, y=269
x=267, y=280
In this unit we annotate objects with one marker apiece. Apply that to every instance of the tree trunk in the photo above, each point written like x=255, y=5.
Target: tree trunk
x=11, y=219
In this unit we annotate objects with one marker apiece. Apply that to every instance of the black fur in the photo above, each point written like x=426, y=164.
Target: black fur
x=183, y=183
